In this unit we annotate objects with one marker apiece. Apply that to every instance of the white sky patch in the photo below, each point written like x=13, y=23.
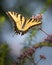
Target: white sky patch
x=16, y=42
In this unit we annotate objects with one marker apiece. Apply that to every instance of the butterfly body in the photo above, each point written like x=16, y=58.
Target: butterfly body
x=21, y=24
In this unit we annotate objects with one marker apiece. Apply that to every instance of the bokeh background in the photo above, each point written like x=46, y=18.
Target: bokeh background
x=27, y=8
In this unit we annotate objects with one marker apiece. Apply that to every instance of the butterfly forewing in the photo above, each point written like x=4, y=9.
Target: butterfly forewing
x=17, y=19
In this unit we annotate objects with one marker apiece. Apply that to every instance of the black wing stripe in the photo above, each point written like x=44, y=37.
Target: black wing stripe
x=30, y=20
x=21, y=17
x=11, y=12
x=34, y=20
x=16, y=14
x=24, y=23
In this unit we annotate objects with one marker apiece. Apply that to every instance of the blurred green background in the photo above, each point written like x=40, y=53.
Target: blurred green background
x=27, y=8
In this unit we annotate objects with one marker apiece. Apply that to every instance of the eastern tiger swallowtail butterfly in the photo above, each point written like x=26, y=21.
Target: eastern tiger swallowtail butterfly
x=22, y=24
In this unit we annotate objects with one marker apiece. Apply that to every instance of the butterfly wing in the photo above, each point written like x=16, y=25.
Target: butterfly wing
x=30, y=23
x=18, y=20
x=21, y=24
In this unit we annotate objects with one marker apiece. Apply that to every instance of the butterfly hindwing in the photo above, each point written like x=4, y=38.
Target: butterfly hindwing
x=21, y=24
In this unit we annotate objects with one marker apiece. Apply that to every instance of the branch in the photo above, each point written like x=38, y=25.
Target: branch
x=49, y=44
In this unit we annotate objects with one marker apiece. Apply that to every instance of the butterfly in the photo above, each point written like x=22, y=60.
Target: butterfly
x=22, y=24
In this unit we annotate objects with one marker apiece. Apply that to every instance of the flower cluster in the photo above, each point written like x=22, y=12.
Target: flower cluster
x=27, y=53
x=42, y=57
x=49, y=38
x=38, y=17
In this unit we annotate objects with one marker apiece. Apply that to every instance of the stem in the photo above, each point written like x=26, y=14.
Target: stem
x=44, y=9
x=32, y=60
x=38, y=61
x=44, y=31
x=43, y=44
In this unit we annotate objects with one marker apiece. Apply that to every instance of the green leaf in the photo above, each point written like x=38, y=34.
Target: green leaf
x=2, y=19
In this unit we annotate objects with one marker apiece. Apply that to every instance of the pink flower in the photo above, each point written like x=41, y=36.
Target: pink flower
x=42, y=57
x=37, y=17
x=49, y=38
